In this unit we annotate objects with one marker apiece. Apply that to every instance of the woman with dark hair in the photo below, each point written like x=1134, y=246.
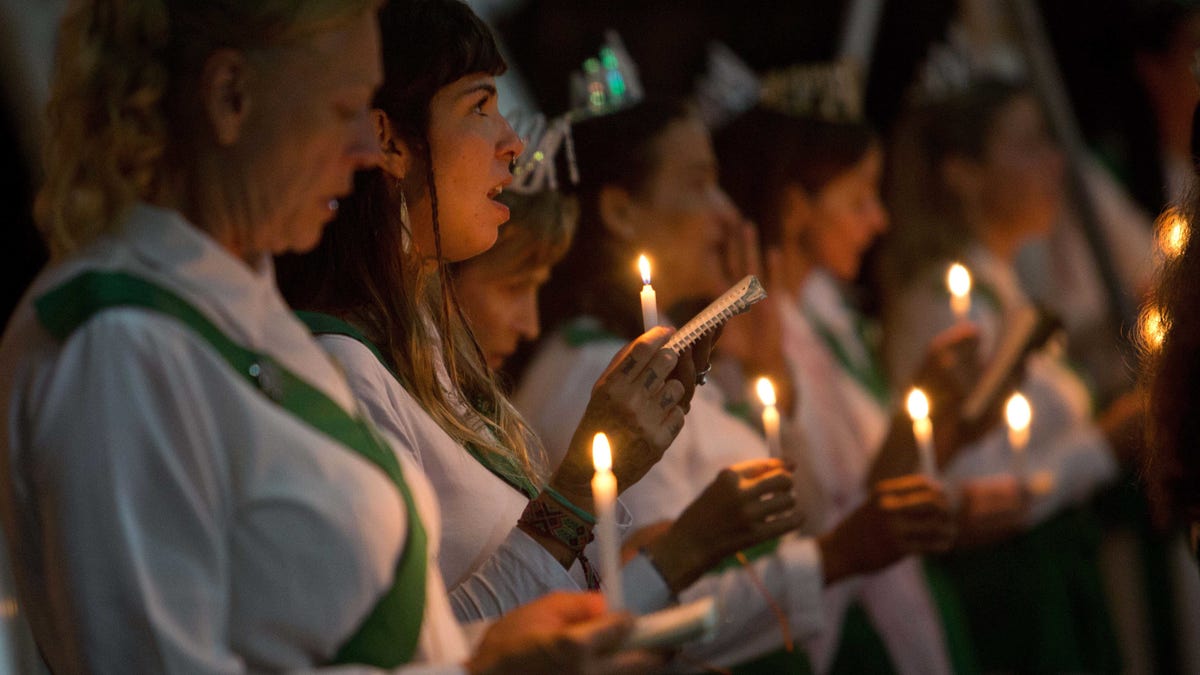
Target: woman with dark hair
x=388, y=313
x=649, y=184
x=978, y=175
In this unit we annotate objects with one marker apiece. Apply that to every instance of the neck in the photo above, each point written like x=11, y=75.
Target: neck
x=207, y=206
x=999, y=242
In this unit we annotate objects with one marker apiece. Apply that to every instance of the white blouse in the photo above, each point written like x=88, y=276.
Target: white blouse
x=553, y=396
x=163, y=515
x=490, y=564
x=845, y=426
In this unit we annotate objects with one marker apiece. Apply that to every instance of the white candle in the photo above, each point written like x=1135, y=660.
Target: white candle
x=604, y=494
x=958, y=280
x=649, y=302
x=770, y=416
x=918, y=410
x=1018, y=414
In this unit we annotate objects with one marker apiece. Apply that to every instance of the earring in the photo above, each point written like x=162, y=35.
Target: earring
x=405, y=226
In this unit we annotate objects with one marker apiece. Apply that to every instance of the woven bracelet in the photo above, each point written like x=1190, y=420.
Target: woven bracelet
x=548, y=519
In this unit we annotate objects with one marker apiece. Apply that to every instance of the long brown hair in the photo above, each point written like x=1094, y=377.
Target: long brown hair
x=366, y=269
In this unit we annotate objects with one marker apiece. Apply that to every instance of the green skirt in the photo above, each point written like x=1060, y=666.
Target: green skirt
x=1035, y=603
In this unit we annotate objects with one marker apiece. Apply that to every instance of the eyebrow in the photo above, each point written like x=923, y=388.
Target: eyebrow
x=474, y=89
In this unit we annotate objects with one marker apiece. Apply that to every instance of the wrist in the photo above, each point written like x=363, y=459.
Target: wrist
x=573, y=494
x=671, y=555
x=833, y=563
x=558, y=527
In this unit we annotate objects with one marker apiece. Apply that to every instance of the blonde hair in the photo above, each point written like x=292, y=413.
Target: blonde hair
x=121, y=70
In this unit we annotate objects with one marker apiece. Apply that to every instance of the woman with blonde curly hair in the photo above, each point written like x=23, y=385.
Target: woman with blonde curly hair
x=188, y=484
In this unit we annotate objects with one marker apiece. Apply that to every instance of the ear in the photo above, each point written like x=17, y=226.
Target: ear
x=617, y=212
x=225, y=94
x=795, y=211
x=397, y=156
x=961, y=174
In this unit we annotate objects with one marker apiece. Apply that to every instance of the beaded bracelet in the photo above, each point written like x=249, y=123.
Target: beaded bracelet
x=563, y=525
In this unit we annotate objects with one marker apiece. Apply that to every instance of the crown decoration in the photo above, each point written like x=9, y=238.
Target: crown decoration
x=536, y=169
x=826, y=91
x=607, y=82
x=955, y=65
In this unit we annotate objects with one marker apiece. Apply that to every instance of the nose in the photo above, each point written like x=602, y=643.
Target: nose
x=510, y=146
x=525, y=318
x=363, y=151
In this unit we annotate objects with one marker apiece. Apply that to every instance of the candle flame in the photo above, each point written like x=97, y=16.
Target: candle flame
x=1018, y=413
x=601, y=453
x=1153, y=327
x=918, y=404
x=766, y=391
x=1173, y=232
x=958, y=280
x=644, y=268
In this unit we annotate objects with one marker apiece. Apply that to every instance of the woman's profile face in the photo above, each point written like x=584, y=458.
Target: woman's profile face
x=308, y=131
x=682, y=217
x=472, y=147
x=501, y=303
x=847, y=216
x=1022, y=171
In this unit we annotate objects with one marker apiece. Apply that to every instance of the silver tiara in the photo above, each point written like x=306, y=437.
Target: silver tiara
x=827, y=91
x=955, y=65
x=536, y=169
x=607, y=82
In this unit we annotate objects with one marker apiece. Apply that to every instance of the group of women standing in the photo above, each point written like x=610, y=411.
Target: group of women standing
x=219, y=460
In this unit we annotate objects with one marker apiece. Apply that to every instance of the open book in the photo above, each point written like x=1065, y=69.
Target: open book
x=1030, y=329
x=732, y=302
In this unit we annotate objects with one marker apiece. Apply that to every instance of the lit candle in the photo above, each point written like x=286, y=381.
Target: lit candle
x=918, y=410
x=958, y=280
x=770, y=416
x=1018, y=414
x=649, y=302
x=1173, y=232
x=604, y=494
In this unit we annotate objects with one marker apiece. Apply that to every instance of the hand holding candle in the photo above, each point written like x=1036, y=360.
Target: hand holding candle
x=770, y=417
x=918, y=410
x=649, y=301
x=958, y=280
x=604, y=494
x=1018, y=414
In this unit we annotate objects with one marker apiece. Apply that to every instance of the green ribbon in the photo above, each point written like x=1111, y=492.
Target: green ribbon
x=387, y=638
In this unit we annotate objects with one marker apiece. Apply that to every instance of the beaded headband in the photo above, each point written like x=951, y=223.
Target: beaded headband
x=826, y=91
x=607, y=82
x=536, y=170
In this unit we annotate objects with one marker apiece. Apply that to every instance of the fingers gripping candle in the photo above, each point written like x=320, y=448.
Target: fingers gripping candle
x=604, y=494
x=649, y=301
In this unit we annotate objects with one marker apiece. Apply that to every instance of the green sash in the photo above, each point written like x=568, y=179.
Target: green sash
x=388, y=636
x=870, y=376
x=503, y=467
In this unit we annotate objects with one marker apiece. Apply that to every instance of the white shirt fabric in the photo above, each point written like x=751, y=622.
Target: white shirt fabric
x=553, y=395
x=1064, y=445
x=490, y=565
x=166, y=517
x=845, y=427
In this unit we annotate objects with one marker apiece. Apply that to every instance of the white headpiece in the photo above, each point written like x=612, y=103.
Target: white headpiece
x=953, y=66
x=536, y=170
x=827, y=91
